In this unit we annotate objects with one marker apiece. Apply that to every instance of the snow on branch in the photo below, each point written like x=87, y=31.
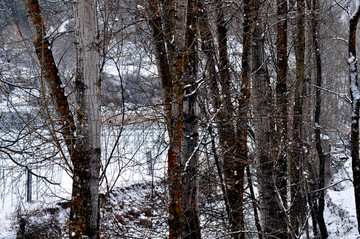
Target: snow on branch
x=353, y=77
x=341, y=96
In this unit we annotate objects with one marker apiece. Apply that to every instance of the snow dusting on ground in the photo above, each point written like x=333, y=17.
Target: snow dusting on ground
x=139, y=210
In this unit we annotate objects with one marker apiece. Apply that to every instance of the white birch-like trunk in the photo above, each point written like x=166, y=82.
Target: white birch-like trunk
x=84, y=219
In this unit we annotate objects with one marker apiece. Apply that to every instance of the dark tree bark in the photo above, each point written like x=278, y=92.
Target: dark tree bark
x=297, y=155
x=321, y=154
x=234, y=153
x=162, y=55
x=220, y=90
x=241, y=151
x=175, y=167
x=163, y=63
x=311, y=182
x=208, y=48
x=174, y=33
x=355, y=97
x=190, y=156
x=50, y=73
x=280, y=120
x=261, y=100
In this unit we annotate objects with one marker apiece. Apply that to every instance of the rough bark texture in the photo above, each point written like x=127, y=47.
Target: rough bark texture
x=220, y=90
x=175, y=167
x=241, y=158
x=232, y=155
x=261, y=99
x=174, y=32
x=190, y=156
x=279, y=134
x=355, y=96
x=310, y=165
x=84, y=211
x=82, y=139
x=251, y=20
x=319, y=148
x=297, y=153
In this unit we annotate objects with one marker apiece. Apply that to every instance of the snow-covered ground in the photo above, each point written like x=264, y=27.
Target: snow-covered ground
x=140, y=209
x=340, y=213
x=138, y=157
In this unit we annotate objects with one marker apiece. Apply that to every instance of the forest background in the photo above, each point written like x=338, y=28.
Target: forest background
x=245, y=113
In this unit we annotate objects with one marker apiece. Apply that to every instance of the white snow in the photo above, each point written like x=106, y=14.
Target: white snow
x=340, y=213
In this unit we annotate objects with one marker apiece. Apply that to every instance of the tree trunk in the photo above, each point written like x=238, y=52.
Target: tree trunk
x=84, y=147
x=50, y=72
x=262, y=109
x=190, y=156
x=163, y=64
x=297, y=157
x=179, y=20
x=208, y=48
x=84, y=211
x=175, y=167
x=279, y=134
x=220, y=89
x=233, y=156
x=236, y=194
x=355, y=96
x=319, y=149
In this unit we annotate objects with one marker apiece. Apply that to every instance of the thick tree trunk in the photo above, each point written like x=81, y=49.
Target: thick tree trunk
x=279, y=134
x=177, y=63
x=190, y=156
x=297, y=155
x=233, y=154
x=355, y=96
x=319, y=149
x=175, y=167
x=241, y=158
x=220, y=89
x=84, y=147
x=261, y=100
x=84, y=212
x=310, y=166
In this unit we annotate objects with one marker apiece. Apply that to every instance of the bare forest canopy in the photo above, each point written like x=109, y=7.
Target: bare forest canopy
x=230, y=118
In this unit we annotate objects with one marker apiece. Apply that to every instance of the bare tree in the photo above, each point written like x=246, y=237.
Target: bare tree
x=84, y=215
x=174, y=33
x=355, y=97
x=279, y=124
x=261, y=101
x=297, y=156
x=81, y=135
x=321, y=154
x=190, y=154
